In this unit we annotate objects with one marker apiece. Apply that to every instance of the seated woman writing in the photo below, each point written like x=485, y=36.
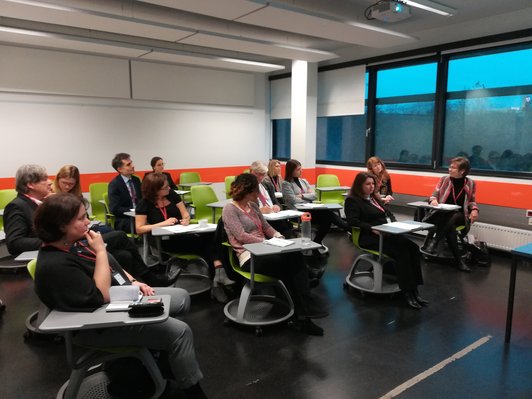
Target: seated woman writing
x=74, y=273
x=364, y=209
x=245, y=224
x=457, y=189
x=298, y=190
x=161, y=207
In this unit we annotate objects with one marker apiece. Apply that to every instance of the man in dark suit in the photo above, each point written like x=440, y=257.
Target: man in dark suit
x=32, y=186
x=124, y=191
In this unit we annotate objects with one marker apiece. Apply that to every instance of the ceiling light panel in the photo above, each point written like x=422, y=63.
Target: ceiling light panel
x=253, y=47
x=89, y=20
x=213, y=62
x=431, y=6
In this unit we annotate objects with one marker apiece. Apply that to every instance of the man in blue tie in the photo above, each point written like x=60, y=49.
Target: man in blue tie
x=124, y=191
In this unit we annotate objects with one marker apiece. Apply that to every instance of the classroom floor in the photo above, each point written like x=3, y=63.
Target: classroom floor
x=371, y=347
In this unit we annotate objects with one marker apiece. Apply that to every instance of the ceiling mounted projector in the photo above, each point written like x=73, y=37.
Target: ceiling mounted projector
x=388, y=11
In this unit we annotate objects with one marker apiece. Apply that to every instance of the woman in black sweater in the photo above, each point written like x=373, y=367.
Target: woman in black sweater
x=363, y=209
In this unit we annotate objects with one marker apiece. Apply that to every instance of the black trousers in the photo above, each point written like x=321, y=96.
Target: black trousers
x=290, y=268
x=323, y=218
x=406, y=255
x=446, y=224
x=125, y=252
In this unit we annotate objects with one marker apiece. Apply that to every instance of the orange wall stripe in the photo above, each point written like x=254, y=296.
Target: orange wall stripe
x=510, y=195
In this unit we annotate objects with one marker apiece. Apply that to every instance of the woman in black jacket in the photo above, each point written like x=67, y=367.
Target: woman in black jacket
x=363, y=209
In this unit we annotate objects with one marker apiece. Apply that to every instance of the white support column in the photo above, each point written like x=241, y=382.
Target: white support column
x=304, y=111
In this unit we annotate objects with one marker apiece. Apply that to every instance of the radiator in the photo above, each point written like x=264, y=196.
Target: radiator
x=501, y=237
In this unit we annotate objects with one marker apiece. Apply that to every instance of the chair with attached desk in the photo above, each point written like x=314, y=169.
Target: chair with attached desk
x=6, y=196
x=367, y=272
x=201, y=196
x=188, y=177
x=329, y=197
x=252, y=308
x=86, y=380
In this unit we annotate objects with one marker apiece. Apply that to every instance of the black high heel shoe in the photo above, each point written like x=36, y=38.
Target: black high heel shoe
x=421, y=301
x=411, y=300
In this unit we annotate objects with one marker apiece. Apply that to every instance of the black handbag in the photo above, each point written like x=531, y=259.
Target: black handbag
x=146, y=309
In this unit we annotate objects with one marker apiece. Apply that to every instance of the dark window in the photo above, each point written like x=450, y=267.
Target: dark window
x=281, y=129
x=404, y=113
x=489, y=111
x=341, y=138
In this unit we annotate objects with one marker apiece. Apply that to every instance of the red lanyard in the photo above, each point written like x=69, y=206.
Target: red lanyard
x=455, y=197
x=375, y=203
x=275, y=184
x=164, y=212
x=80, y=254
x=256, y=222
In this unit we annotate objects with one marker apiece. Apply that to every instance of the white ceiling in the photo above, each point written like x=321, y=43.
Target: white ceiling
x=216, y=33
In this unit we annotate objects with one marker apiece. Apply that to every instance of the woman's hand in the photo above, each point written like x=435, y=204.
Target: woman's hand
x=434, y=202
x=473, y=216
x=185, y=221
x=266, y=209
x=144, y=288
x=169, y=222
x=95, y=241
x=387, y=199
x=376, y=232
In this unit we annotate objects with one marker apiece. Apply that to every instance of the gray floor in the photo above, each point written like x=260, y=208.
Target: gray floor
x=371, y=345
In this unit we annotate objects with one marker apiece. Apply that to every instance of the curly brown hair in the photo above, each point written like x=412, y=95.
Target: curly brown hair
x=244, y=184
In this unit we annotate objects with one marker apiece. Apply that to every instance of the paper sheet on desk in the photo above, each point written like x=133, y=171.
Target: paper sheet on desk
x=282, y=215
x=403, y=226
x=310, y=205
x=179, y=228
x=279, y=242
x=447, y=206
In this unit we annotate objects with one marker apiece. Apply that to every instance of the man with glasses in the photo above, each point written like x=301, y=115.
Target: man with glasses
x=32, y=185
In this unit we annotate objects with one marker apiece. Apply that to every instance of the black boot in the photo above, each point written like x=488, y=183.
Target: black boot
x=420, y=300
x=411, y=300
x=306, y=326
x=432, y=248
x=195, y=392
x=157, y=280
x=462, y=266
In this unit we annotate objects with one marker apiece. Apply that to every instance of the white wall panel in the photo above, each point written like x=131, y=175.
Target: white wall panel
x=44, y=71
x=281, y=98
x=341, y=91
x=177, y=83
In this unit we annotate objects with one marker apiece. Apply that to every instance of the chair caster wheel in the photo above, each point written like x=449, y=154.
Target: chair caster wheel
x=345, y=285
x=362, y=293
x=27, y=335
x=258, y=332
x=227, y=322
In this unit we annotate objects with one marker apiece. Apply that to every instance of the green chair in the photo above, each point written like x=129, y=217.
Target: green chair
x=188, y=177
x=258, y=309
x=109, y=217
x=329, y=197
x=228, y=181
x=91, y=360
x=367, y=272
x=201, y=196
x=96, y=192
x=6, y=196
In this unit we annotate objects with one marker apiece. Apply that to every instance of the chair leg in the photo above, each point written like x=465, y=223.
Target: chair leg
x=145, y=356
x=286, y=294
x=243, y=302
x=377, y=277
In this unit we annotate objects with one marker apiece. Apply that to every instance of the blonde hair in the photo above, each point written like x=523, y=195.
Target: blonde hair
x=68, y=172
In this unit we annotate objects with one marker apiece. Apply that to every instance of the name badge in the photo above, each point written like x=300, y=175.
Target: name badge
x=119, y=279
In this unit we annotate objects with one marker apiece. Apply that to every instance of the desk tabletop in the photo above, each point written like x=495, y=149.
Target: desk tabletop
x=309, y=206
x=1, y=212
x=131, y=214
x=439, y=207
x=402, y=227
x=26, y=256
x=286, y=214
x=196, y=183
x=262, y=249
x=333, y=188
x=180, y=229
x=219, y=204
x=182, y=192
x=2, y=235
x=67, y=321
x=523, y=250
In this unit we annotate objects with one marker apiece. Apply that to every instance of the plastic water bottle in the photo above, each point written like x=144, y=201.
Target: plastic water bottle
x=306, y=231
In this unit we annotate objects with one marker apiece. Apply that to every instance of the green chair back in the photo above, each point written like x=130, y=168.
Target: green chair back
x=188, y=177
x=96, y=192
x=259, y=278
x=356, y=237
x=201, y=196
x=6, y=196
x=109, y=217
x=228, y=181
x=331, y=197
x=31, y=266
